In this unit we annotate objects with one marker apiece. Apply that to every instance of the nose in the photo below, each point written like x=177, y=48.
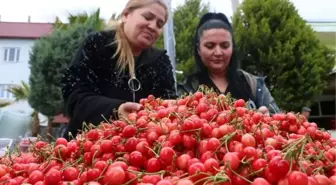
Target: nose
x=218, y=51
x=152, y=25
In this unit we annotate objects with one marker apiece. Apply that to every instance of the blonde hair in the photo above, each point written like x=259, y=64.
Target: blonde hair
x=124, y=50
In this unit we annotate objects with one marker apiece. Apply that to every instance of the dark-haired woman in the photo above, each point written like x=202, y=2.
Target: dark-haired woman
x=216, y=60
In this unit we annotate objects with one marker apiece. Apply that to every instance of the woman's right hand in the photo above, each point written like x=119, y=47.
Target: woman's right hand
x=127, y=108
x=263, y=110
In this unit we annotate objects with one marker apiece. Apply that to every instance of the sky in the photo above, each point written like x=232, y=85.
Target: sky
x=47, y=10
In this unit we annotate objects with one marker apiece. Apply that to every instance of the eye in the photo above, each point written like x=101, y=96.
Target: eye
x=148, y=16
x=160, y=24
x=225, y=45
x=209, y=45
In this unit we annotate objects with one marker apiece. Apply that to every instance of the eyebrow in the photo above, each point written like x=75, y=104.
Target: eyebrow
x=206, y=42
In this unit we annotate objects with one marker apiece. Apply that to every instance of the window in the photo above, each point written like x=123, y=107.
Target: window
x=315, y=109
x=11, y=54
x=328, y=107
x=4, y=94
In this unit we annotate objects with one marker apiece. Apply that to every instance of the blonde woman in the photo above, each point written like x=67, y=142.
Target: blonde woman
x=116, y=68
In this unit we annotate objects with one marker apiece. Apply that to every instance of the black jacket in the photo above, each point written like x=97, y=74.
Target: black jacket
x=253, y=89
x=193, y=82
x=92, y=85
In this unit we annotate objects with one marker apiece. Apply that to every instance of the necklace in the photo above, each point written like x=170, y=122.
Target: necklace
x=134, y=84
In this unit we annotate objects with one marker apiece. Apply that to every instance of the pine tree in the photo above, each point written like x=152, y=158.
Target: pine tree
x=50, y=56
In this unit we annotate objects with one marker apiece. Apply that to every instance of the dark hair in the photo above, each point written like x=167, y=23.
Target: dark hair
x=213, y=21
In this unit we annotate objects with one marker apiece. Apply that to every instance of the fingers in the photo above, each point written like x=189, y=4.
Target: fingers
x=130, y=106
x=172, y=102
x=263, y=109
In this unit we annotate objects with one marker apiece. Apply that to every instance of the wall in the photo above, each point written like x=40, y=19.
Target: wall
x=14, y=73
x=323, y=26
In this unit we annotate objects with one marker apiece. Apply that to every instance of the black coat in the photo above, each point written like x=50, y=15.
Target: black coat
x=92, y=85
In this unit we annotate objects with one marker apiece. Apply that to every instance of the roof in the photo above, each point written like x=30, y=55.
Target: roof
x=24, y=30
x=327, y=38
x=321, y=21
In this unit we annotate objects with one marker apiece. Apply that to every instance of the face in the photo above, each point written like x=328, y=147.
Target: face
x=215, y=49
x=306, y=113
x=143, y=26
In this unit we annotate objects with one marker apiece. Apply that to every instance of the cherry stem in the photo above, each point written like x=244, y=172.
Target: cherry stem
x=72, y=164
x=104, y=118
x=292, y=149
x=60, y=156
x=301, y=155
x=261, y=133
x=290, y=165
x=130, y=181
x=146, y=173
x=192, y=130
x=294, y=143
x=317, y=170
x=239, y=174
x=256, y=172
x=177, y=115
x=156, y=155
x=225, y=141
x=142, y=129
x=173, y=162
x=49, y=161
x=247, y=162
x=85, y=126
x=331, y=163
x=220, y=104
x=58, y=159
x=105, y=168
x=183, y=175
x=215, y=179
x=94, y=156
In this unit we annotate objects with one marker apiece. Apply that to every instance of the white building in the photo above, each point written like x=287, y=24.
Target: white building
x=16, y=41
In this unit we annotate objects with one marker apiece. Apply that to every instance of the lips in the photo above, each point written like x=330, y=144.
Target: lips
x=150, y=36
x=217, y=61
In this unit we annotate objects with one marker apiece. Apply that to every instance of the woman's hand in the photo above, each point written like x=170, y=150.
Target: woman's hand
x=263, y=110
x=127, y=108
x=171, y=102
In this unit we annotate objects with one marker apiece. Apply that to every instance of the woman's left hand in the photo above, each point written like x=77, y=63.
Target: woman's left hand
x=171, y=102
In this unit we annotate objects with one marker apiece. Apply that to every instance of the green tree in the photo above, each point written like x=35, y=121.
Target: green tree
x=49, y=58
x=274, y=41
x=4, y=103
x=185, y=18
x=82, y=18
x=115, y=16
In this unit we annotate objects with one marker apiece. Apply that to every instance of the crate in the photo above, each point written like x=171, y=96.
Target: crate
x=14, y=124
x=4, y=143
